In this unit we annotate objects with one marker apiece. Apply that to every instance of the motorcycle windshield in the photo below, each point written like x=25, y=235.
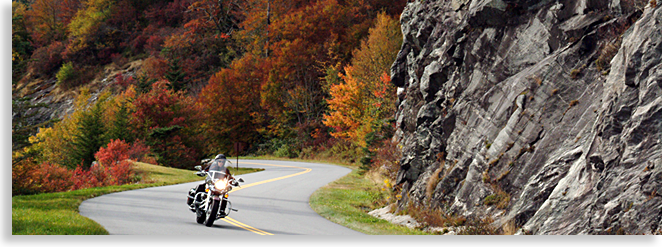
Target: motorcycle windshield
x=219, y=165
x=216, y=175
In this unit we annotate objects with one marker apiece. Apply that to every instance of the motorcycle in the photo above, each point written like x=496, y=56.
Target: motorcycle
x=212, y=203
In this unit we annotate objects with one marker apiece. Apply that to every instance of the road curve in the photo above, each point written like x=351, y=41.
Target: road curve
x=270, y=202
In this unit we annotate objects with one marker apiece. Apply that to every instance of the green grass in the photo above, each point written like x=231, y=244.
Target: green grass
x=347, y=202
x=57, y=213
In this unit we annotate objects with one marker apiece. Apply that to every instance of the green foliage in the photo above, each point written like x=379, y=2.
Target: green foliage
x=66, y=73
x=119, y=127
x=163, y=145
x=85, y=27
x=89, y=138
x=20, y=41
x=175, y=76
x=286, y=151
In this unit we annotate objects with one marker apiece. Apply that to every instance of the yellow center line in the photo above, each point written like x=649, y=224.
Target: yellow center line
x=246, y=227
x=305, y=170
x=250, y=228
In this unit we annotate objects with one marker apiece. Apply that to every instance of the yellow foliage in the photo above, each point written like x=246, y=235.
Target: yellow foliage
x=347, y=110
x=87, y=22
x=54, y=143
x=364, y=94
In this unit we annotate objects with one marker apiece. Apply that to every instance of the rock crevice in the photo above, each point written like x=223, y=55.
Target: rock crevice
x=558, y=104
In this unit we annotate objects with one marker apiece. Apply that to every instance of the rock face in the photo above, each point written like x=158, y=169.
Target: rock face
x=553, y=109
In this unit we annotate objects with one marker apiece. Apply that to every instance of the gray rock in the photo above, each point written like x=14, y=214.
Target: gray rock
x=510, y=92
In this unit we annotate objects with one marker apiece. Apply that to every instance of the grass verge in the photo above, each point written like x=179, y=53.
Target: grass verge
x=57, y=213
x=347, y=202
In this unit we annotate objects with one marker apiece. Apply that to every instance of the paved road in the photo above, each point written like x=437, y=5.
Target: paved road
x=270, y=202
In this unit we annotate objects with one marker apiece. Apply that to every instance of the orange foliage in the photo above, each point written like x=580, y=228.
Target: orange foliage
x=231, y=105
x=364, y=97
x=346, y=109
x=273, y=90
x=301, y=38
x=155, y=67
x=47, y=19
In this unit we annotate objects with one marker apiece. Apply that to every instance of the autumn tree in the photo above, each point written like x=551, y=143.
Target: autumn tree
x=224, y=15
x=89, y=137
x=21, y=43
x=363, y=101
x=231, y=107
x=372, y=62
x=304, y=39
x=118, y=119
x=89, y=33
x=48, y=19
x=170, y=123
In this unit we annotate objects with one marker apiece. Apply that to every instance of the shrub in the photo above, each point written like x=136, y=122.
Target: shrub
x=500, y=198
x=607, y=53
x=46, y=59
x=116, y=150
x=66, y=73
x=387, y=159
x=139, y=151
x=286, y=151
x=54, y=178
x=24, y=176
x=88, y=178
x=114, y=159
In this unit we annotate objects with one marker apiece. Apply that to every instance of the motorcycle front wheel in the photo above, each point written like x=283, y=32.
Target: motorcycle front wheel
x=199, y=215
x=211, y=213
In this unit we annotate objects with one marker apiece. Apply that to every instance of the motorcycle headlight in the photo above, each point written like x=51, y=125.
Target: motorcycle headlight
x=221, y=184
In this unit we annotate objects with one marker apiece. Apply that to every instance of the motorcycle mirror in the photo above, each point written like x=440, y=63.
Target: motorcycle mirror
x=241, y=180
x=199, y=168
x=200, y=174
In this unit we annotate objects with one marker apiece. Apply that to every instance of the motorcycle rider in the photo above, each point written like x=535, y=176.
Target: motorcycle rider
x=219, y=163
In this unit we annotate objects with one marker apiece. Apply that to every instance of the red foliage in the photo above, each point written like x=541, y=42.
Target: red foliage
x=124, y=81
x=29, y=178
x=46, y=60
x=155, y=67
x=55, y=178
x=24, y=176
x=114, y=161
x=161, y=109
x=167, y=14
x=48, y=19
x=138, y=152
x=116, y=151
x=83, y=178
x=230, y=104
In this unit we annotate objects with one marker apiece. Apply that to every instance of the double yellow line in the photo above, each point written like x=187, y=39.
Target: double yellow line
x=246, y=227
x=250, y=228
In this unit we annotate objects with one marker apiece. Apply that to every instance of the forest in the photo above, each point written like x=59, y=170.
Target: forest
x=287, y=78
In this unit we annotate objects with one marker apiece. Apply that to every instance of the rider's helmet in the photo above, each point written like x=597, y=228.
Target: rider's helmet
x=220, y=156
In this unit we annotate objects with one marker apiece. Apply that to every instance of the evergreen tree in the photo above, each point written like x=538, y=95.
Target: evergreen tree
x=144, y=84
x=89, y=139
x=163, y=146
x=175, y=76
x=119, y=127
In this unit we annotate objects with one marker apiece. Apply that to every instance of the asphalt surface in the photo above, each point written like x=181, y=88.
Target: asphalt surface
x=270, y=202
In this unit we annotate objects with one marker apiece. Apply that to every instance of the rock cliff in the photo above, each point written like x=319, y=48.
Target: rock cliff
x=543, y=114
